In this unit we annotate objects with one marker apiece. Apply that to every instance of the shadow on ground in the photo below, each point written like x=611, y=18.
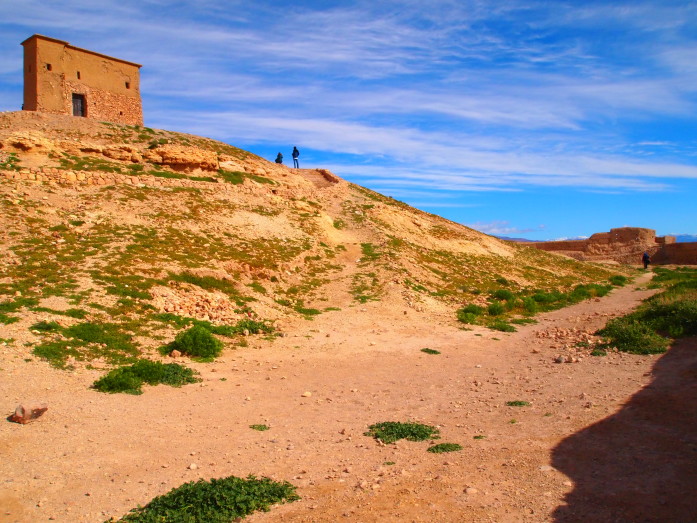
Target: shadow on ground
x=639, y=464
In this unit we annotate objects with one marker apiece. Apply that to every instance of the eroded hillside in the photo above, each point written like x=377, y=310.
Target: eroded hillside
x=137, y=228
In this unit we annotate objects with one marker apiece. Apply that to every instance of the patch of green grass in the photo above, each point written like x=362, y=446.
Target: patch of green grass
x=210, y=283
x=430, y=351
x=389, y=463
x=501, y=325
x=237, y=177
x=215, y=501
x=166, y=174
x=479, y=436
x=257, y=287
x=10, y=163
x=598, y=352
x=369, y=252
x=618, y=280
x=250, y=325
x=518, y=403
x=444, y=447
x=130, y=379
x=6, y=320
x=496, y=309
x=197, y=342
x=339, y=224
x=260, y=428
x=391, y=431
x=46, y=326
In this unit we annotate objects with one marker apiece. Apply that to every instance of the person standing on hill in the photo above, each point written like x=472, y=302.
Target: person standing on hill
x=646, y=259
x=296, y=153
x=279, y=158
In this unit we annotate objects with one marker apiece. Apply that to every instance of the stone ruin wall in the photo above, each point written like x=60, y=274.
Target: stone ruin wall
x=625, y=245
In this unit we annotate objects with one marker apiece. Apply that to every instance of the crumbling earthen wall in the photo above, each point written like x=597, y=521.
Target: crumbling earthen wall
x=55, y=72
x=677, y=254
x=625, y=245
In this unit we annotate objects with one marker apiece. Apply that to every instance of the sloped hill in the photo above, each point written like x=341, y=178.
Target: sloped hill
x=138, y=228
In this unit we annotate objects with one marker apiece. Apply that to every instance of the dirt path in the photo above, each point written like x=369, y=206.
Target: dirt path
x=93, y=456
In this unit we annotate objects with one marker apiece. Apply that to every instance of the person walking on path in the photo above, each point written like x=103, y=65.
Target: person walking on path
x=296, y=153
x=646, y=259
x=279, y=158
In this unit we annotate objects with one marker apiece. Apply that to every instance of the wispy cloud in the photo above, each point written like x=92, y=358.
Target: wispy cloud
x=502, y=228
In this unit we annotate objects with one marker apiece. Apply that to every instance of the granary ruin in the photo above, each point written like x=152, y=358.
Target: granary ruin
x=62, y=79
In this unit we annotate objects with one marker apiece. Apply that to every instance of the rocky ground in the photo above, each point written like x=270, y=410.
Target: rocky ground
x=602, y=440
x=125, y=228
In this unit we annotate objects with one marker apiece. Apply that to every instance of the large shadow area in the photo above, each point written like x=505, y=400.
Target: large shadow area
x=640, y=464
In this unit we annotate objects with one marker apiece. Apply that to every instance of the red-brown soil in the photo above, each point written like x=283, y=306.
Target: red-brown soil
x=605, y=439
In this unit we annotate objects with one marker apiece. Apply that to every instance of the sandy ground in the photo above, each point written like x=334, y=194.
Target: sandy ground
x=605, y=439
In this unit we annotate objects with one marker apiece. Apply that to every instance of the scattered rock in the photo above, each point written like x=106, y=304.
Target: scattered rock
x=193, y=466
x=175, y=354
x=28, y=412
x=306, y=394
x=471, y=490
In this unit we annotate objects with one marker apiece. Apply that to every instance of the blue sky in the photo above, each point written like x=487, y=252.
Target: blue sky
x=537, y=119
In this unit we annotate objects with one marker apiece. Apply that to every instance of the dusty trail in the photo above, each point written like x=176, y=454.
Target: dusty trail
x=93, y=456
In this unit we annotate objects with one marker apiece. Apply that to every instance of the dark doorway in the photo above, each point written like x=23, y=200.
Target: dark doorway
x=79, y=105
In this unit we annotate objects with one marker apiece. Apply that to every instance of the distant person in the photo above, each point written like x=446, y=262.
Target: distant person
x=279, y=158
x=646, y=259
x=296, y=153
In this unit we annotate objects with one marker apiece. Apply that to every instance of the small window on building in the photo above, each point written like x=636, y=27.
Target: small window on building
x=49, y=67
x=128, y=85
x=78, y=75
x=79, y=105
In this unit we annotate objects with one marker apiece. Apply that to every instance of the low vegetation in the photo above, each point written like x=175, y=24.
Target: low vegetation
x=215, y=501
x=660, y=319
x=504, y=304
x=131, y=378
x=444, y=447
x=391, y=431
x=196, y=342
x=518, y=403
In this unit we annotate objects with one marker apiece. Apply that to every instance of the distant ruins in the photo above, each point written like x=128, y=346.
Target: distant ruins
x=62, y=79
x=625, y=245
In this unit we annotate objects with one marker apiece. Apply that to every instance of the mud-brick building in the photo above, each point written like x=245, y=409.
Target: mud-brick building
x=62, y=79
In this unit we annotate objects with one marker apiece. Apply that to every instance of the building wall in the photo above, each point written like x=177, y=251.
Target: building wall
x=54, y=71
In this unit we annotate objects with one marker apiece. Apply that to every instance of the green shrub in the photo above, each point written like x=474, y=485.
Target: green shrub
x=260, y=428
x=678, y=318
x=501, y=326
x=469, y=313
x=503, y=295
x=216, y=501
x=130, y=379
x=391, y=431
x=518, y=403
x=496, y=308
x=630, y=335
x=444, y=447
x=618, y=280
x=430, y=351
x=197, y=342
